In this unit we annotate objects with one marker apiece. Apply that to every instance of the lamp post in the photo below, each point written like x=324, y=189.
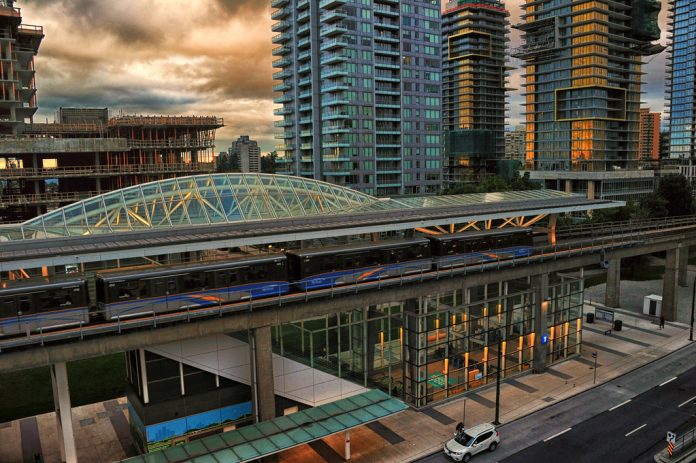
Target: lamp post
x=497, y=378
x=691, y=328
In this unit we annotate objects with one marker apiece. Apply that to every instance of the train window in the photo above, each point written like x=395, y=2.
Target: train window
x=8, y=308
x=25, y=304
x=257, y=273
x=158, y=287
x=171, y=286
x=192, y=281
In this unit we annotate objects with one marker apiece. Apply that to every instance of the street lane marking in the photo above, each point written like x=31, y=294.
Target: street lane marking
x=557, y=434
x=687, y=401
x=617, y=406
x=668, y=381
x=637, y=429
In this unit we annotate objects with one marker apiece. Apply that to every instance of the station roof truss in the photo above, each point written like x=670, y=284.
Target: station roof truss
x=241, y=198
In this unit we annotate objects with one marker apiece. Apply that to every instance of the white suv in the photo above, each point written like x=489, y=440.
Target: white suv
x=469, y=442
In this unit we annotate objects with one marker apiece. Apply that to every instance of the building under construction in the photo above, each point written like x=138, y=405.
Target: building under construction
x=84, y=151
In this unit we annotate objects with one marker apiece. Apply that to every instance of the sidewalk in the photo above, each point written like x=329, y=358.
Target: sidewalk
x=100, y=433
x=414, y=434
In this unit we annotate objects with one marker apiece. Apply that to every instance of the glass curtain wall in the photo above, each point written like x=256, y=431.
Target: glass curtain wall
x=435, y=347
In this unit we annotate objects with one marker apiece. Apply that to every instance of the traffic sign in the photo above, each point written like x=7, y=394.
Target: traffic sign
x=671, y=437
x=544, y=339
x=594, y=355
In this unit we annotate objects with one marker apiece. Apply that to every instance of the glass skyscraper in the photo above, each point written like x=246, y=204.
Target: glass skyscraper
x=360, y=85
x=681, y=88
x=583, y=81
x=474, y=37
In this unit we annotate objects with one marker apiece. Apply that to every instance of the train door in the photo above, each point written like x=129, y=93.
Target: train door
x=8, y=314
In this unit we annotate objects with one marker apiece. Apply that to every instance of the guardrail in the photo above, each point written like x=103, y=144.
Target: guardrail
x=601, y=229
x=684, y=442
x=105, y=170
x=540, y=254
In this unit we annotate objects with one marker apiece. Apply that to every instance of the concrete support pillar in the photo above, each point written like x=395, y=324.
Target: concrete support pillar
x=612, y=297
x=568, y=186
x=61, y=398
x=262, y=388
x=683, y=266
x=347, y=449
x=591, y=189
x=540, y=287
x=669, y=285
x=551, y=231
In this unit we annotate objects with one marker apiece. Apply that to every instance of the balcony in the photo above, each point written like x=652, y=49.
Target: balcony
x=334, y=15
x=279, y=3
x=281, y=26
x=282, y=111
x=333, y=44
x=336, y=29
x=283, y=99
x=281, y=38
x=280, y=14
x=282, y=63
x=281, y=51
x=331, y=3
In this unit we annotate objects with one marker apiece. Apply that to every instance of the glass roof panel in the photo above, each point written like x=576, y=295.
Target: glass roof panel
x=235, y=197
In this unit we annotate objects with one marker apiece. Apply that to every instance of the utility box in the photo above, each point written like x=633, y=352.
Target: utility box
x=652, y=305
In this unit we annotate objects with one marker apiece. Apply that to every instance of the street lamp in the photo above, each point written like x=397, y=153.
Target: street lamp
x=693, y=296
x=497, y=378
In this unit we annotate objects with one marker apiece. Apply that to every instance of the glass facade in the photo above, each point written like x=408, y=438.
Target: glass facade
x=428, y=349
x=360, y=86
x=583, y=82
x=681, y=91
x=474, y=60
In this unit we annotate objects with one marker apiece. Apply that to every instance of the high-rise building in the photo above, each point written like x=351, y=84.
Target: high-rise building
x=361, y=93
x=583, y=79
x=19, y=43
x=514, y=143
x=247, y=153
x=681, y=87
x=474, y=75
x=649, y=139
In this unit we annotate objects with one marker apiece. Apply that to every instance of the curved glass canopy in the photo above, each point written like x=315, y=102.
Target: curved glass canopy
x=196, y=200
x=230, y=198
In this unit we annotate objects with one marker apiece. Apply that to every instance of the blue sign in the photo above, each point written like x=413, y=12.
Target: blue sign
x=594, y=355
x=544, y=339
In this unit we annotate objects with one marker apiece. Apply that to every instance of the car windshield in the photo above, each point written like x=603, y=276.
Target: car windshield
x=464, y=439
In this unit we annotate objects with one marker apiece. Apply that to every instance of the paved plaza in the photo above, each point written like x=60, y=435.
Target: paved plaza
x=101, y=430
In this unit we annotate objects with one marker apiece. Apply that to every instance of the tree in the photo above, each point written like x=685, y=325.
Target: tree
x=494, y=183
x=227, y=163
x=268, y=163
x=676, y=190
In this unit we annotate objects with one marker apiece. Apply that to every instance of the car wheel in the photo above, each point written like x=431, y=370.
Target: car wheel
x=493, y=446
x=466, y=458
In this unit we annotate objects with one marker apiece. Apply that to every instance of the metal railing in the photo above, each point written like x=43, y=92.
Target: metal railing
x=601, y=229
x=684, y=442
x=120, y=324
x=81, y=171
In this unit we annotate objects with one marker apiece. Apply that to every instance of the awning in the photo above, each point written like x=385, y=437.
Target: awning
x=282, y=433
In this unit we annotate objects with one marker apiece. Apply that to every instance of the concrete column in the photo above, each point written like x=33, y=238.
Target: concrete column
x=568, y=186
x=143, y=376
x=61, y=398
x=683, y=266
x=551, y=231
x=591, y=189
x=347, y=448
x=612, y=297
x=540, y=287
x=669, y=285
x=261, y=343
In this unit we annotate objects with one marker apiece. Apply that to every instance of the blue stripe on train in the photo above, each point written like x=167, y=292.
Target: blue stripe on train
x=329, y=279
x=33, y=318
x=201, y=298
x=487, y=256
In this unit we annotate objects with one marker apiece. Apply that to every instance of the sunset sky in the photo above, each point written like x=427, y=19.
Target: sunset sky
x=205, y=57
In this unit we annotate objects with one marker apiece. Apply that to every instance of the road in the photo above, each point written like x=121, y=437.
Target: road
x=624, y=420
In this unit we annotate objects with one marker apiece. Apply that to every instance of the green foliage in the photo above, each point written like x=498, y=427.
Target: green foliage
x=268, y=163
x=494, y=183
x=678, y=194
x=227, y=163
x=92, y=380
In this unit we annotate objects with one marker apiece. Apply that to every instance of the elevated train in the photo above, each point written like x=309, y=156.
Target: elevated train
x=26, y=308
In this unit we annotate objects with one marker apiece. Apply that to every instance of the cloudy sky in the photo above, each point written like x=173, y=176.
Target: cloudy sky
x=206, y=57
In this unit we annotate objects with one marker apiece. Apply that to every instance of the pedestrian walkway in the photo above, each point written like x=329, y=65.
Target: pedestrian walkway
x=101, y=432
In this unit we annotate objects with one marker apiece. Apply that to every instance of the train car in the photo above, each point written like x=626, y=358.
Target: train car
x=161, y=289
x=469, y=248
x=341, y=265
x=26, y=307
